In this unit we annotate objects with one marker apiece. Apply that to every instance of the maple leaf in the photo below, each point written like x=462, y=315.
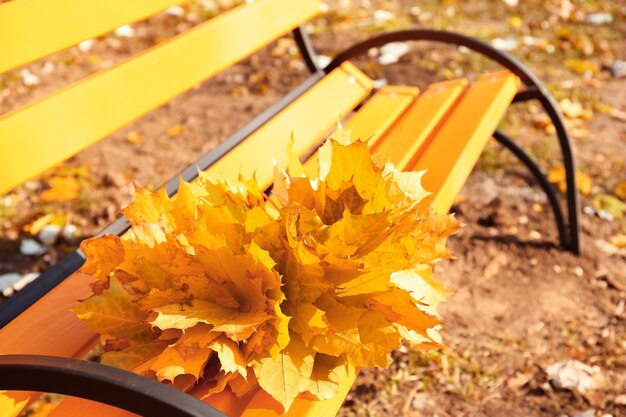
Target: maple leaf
x=62, y=189
x=230, y=356
x=113, y=313
x=327, y=374
x=139, y=356
x=103, y=255
x=8, y=407
x=287, y=375
x=232, y=322
x=222, y=286
x=178, y=359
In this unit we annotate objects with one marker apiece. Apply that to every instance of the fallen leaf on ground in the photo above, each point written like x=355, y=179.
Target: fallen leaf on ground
x=618, y=240
x=556, y=175
x=620, y=190
x=174, y=131
x=574, y=110
x=35, y=227
x=135, y=138
x=94, y=59
x=582, y=66
x=574, y=375
x=61, y=189
x=519, y=380
x=607, y=203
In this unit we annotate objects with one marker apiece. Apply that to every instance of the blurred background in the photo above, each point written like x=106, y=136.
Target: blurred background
x=531, y=330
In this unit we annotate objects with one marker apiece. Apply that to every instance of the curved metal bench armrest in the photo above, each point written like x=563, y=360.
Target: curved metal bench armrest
x=535, y=89
x=102, y=383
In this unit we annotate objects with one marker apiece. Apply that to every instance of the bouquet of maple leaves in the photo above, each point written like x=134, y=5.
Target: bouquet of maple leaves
x=222, y=286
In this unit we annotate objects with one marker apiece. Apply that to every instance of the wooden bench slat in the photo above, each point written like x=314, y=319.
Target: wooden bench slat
x=40, y=135
x=78, y=407
x=262, y=404
x=402, y=142
x=381, y=111
x=454, y=150
x=33, y=29
x=48, y=328
x=342, y=91
x=376, y=115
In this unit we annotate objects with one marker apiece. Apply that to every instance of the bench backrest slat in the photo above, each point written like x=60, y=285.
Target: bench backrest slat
x=47, y=132
x=33, y=29
x=327, y=103
x=376, y=116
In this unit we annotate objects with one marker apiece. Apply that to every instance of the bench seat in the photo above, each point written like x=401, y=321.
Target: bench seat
x=442, y=129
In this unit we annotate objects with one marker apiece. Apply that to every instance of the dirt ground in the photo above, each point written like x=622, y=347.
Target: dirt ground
x=520, y=304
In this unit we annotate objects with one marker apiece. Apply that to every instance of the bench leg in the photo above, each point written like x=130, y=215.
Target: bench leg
x=543, y=182
x=534, y=89
x=105, y=384
x=306, y=49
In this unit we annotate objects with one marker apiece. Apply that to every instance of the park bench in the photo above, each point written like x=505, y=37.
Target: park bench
x=443, y=129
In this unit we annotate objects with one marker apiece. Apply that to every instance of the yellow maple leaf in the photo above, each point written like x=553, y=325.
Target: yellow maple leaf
x=8, y=406
x=113, y=313
x=135, y=138
x=230, y=356
x=620, y=190
x=174, y=131
x=104, y=254
x=179, y=359
x=618, y=240
x=286, y=376
x=556, y=175
x=138, y=357
x=241, y=385
x=328, y=372
x=222, y=286
x=62, y=189
x=234, y=323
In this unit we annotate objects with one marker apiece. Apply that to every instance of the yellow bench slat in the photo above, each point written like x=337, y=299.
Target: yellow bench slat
x=402, y=142
x=47, y=132
x=457, y=145
x=342, y=91
x=76, y=407
x=381, y=111
x=376, y=115
x=33, y=29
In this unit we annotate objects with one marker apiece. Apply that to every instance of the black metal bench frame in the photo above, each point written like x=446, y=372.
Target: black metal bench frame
x=146, y=397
